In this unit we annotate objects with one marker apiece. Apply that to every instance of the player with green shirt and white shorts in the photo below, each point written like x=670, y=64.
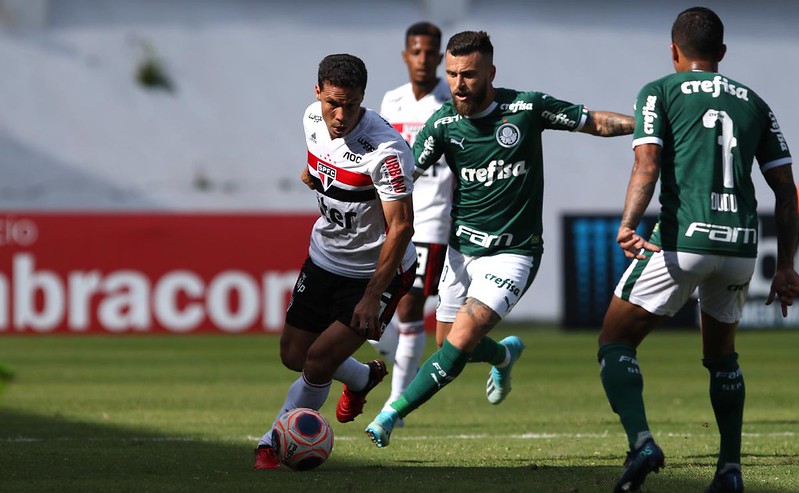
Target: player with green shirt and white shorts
x=495, y=241
x=491, y=139
x=698, y=132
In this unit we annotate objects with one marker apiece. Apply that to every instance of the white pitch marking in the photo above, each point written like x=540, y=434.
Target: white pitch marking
x=482, y=436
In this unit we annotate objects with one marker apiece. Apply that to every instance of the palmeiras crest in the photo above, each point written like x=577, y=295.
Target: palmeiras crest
x=508, y=135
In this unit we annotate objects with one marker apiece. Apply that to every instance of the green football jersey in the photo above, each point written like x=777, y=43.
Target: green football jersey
x=497, y=161
x=711, y=128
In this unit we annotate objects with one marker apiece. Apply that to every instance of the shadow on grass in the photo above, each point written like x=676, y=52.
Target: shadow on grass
x=40, y=453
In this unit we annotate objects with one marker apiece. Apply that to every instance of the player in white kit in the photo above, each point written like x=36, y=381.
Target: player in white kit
x=360, y=261
x=407, y=108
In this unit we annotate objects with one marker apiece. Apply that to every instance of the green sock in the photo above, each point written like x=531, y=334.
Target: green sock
x=624, y=386
x=727, y=394
x=490, y=351
x=440, y=369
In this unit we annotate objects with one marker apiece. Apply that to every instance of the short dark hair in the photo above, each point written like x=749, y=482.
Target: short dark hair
x=467, y=42
x=699, y=33
x=424, y=29
x=342, y=70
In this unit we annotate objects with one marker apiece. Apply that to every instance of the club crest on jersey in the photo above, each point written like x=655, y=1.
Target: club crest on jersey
x=327, y=174
x=508, y=135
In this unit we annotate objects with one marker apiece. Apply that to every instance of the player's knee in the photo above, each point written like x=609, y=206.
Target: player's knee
x=292, y=359
x=411, y=307
x=319, y=367
x=322, y=361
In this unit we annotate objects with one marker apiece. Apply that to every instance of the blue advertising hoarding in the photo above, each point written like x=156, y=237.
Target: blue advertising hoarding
x=593, y=264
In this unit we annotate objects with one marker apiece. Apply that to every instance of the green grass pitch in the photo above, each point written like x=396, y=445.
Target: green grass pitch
x=182, y=413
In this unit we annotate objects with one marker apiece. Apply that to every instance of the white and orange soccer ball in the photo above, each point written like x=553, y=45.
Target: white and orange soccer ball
x=303, y=439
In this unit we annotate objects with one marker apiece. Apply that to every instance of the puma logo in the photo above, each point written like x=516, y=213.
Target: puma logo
x=453, y=141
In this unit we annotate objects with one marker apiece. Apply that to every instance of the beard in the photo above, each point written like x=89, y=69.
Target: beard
x=473, y=101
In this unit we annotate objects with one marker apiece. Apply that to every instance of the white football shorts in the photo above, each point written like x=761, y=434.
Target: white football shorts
x=498, y=281
x=663, y=282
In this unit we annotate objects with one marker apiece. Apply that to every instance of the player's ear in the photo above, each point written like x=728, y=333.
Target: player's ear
x=493, y=72
x=675, y=55
x=722, y=52
x=318, y=92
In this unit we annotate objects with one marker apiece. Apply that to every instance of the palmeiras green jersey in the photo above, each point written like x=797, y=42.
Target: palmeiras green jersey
x=710, y=128
x=497, y=161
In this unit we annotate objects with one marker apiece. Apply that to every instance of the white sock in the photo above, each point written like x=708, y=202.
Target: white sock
x=407, y=358
x=301, y=394
x=506, y=361
x=387, y=345
x=642, y=437
x=353, y=374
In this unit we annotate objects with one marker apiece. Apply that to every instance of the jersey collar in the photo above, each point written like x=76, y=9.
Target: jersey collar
x=485, y=112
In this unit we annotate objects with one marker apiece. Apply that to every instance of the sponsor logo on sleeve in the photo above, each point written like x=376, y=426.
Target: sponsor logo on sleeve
x=558, y=119
x=649, y=114
x=775, y=129
x=393, y=168
x=429, y=145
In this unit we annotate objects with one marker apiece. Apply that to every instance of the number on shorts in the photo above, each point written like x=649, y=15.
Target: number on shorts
x=422, y=253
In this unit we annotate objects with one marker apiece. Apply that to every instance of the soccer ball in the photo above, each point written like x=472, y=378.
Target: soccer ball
x=303, y=439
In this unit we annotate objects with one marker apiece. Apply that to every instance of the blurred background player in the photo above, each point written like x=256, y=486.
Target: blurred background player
x=361, y=260
x=698, y=132
x=492, y=140
x=407, y=108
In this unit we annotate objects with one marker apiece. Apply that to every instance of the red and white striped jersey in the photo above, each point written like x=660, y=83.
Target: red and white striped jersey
x=352, y=175
x=432, y=197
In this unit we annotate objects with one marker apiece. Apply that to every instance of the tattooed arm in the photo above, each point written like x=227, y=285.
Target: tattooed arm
x=607, y=124
x=644, y=177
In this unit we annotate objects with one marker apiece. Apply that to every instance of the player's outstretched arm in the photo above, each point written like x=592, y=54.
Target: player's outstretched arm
x=608, y=124
x=785, y=284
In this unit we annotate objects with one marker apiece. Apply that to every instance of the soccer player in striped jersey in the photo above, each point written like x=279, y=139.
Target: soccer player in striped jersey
x=360, y=261
x=407, y=108
x=698, y=132
x=491, y=138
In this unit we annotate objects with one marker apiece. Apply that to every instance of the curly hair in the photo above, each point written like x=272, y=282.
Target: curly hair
x=342, y=70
